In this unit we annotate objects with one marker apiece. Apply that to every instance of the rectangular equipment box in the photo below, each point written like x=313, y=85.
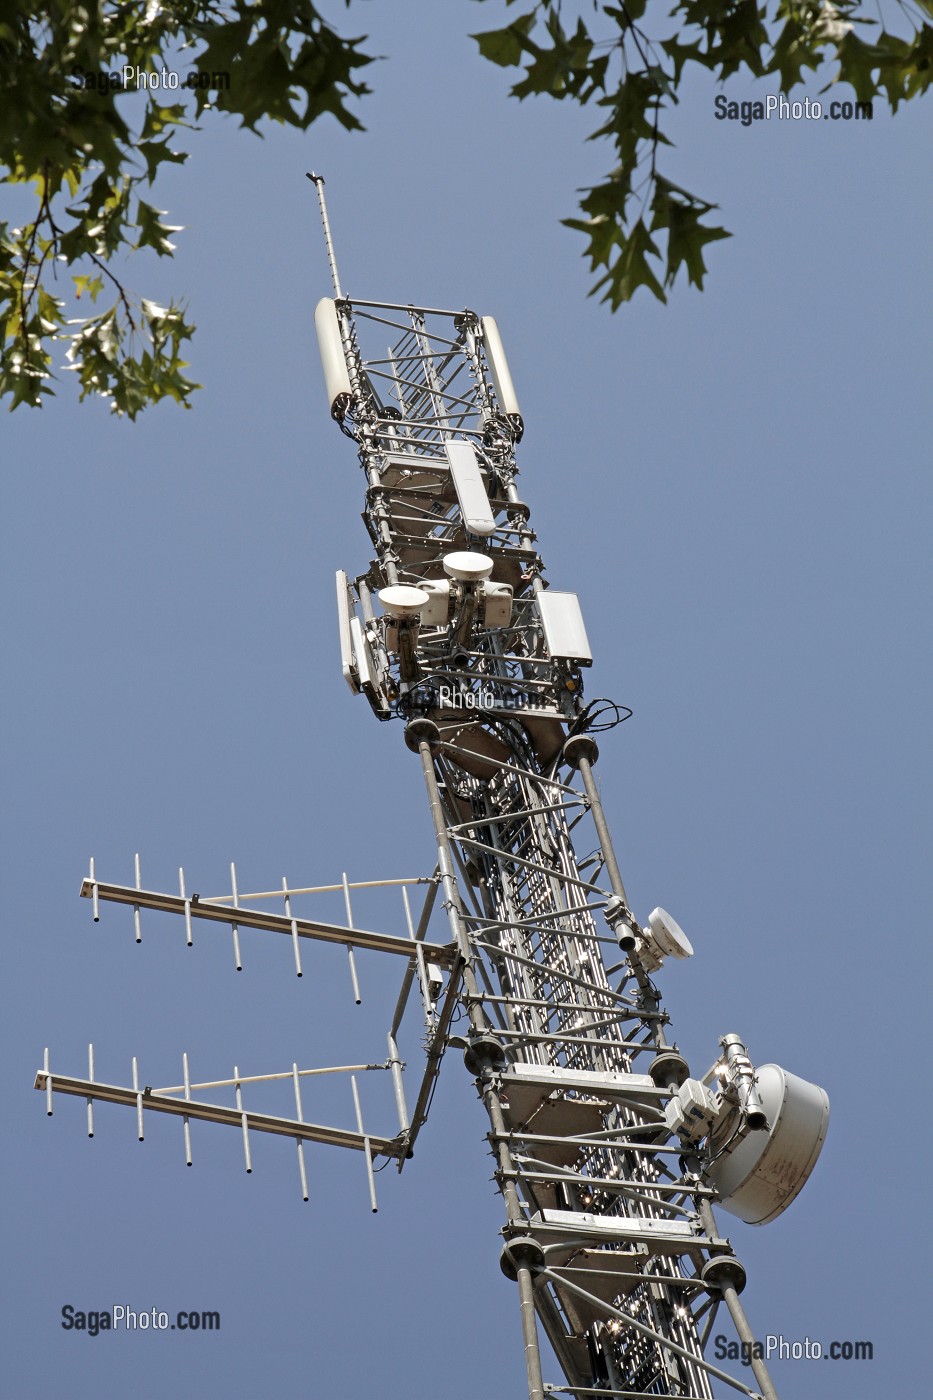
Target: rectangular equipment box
x=564, y=631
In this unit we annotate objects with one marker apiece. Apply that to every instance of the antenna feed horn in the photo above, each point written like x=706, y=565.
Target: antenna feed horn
x=619, y=919
x=742, y=1074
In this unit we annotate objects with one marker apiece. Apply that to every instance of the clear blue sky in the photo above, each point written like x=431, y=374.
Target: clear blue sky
x=737, y=486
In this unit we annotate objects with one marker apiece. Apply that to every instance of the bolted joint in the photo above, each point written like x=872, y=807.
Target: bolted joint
x=422, y=731
x=721, y=1271
x=521, y=1253
x=484, y=1052
x=578, y=747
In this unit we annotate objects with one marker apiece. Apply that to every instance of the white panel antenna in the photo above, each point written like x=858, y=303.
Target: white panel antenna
x=564, y=630
x=470, y=488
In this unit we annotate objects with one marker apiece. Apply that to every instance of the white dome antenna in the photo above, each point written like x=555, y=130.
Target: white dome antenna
x=467, y=566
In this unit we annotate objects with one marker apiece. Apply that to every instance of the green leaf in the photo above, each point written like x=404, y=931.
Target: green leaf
x=631, y=270
x=633, y=109
x=159, y=119
x=603, y=235
x=680, y=212
x=156, y=153
x=152, y=233
x=797, y=47
x=506, y=46
x=894, y=60
x=686, y=239
x=70, y=143
x=919, y=65
x=634, y=10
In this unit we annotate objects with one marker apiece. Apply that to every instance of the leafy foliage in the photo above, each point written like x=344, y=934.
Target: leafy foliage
x=641, y=228
x=65, y=132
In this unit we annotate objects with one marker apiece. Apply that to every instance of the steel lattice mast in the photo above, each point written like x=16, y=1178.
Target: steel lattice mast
x=608, y=1153
x=609, y=1230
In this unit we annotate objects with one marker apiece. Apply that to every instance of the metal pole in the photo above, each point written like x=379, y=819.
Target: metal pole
x=523, y=1273
x=395, y=1065
x=601, y=825
x=318, y=183
x=747, y=1337
x=530, y=1334
x=740, y=1321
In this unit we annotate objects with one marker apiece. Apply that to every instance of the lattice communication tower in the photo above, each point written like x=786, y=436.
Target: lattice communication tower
x=608, y=1153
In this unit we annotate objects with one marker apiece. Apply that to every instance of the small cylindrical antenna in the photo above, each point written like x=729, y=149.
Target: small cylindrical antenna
x=301, y=1156
x=357, y=997
x=184, y=1062
x=366, y=1148
x=189, y=938
x=243, y=1119
x=90, y=1100
x=139, y=1100
x=139, y=885
x=234, y=925
x=95, y=894
x=48, y=1084
x=294, y=924
x=318, y=183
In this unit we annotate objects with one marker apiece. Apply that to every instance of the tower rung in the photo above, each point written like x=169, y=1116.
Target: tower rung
x=443, y=954
x=528, y=1085
x=573, y=1229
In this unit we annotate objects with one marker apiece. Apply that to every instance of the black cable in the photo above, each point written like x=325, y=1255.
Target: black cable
x=591, y=719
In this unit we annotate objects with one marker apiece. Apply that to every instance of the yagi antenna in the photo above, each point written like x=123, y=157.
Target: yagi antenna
x=431, y=963
x=318, y=183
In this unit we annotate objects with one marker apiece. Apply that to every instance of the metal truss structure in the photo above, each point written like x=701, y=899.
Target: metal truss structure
x=608, y=1154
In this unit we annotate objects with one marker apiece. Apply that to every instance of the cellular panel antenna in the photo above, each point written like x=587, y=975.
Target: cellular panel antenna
x=609, y=1153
